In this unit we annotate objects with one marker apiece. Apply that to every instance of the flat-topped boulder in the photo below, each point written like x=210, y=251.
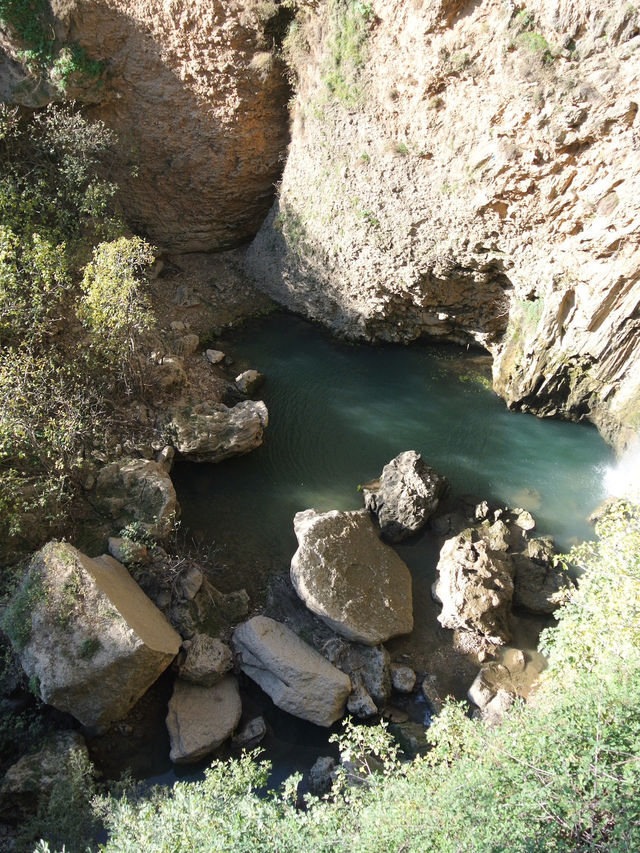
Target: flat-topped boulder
x=211, y=432
x=292, y=673
x=475, y=587
x=87, y=635
x=201, y=718
x=207, y=660
x=405, y=496
x=345, y=575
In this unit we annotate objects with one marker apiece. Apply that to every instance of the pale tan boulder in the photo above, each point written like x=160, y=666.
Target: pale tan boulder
x=200, y=718
x=206, y=662
x=345, y=575
x=88, y=637
x=295, y=676
x=475, y=587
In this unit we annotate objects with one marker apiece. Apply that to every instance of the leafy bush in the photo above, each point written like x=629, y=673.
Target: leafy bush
x=114, y=305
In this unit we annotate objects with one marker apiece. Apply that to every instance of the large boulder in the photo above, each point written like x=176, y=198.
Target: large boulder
x=137, y=490
x=541, y=585
x=345, y=575
x=475, y=587
x=406, y=495
x=201, y=718
x=88, y=637
x=296, y=677
x=211, y=432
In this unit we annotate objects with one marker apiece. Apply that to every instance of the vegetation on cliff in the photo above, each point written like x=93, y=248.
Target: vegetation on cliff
x=67, y=338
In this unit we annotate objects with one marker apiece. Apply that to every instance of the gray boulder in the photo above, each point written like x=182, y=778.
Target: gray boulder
x=87, y=635
x=295, y=676
x=345, y=575
x=137, y=490
x=249, y=381
x=475, y=587
x=206, y=662
x=200, y=719
x=403, y=678
x=250, y=734
x=406, y=495
x=211, y=432
x=540, y=585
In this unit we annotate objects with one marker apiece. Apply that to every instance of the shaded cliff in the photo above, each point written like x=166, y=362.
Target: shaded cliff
x=194, y=91
x=469, y=172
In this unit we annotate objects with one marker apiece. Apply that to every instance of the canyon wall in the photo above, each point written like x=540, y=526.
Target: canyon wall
x=196, y=95
x=469, y=172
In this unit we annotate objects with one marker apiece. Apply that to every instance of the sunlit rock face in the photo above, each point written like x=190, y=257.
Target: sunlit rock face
x=471, y=176
x=198, y=99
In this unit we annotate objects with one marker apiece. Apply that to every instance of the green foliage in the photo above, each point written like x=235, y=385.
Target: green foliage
x=89, y=648
x=350, y=21
x=114, y=305
x=16, y=620
x=32, y=21
x=526, y=38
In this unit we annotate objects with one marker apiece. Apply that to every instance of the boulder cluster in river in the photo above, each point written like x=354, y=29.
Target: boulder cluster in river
x=93, y=641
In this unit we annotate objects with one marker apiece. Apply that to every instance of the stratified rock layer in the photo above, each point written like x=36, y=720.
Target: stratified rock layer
x=472, y=175
x=345, y=575
x=298, y=679
x=92, y=641
x=211, y=432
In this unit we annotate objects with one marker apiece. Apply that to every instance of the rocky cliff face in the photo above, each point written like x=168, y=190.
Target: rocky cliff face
x=469, y=172
x=196, y=96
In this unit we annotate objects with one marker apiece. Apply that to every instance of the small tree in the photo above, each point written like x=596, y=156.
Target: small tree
x=114, y=305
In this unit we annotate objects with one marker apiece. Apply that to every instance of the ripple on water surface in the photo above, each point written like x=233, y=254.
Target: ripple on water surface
x=339, y=412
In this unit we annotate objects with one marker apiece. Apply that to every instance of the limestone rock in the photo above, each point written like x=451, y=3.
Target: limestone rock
x=250, y=735
x=27, y=782
x=214, y=356
x=411, y=738
x=212, y=432
x=208, y=611
x=475, y=587
x=91, y=638
x=407, y=495
x=207, y=156
x=540, y=586
x=322, y=775
x=493, y=677
x=296, y=677
x=360, y=703
x=515, y=228
x=200, y=718
x=207, y=661
x=345, y=575
x=137, y=490
x=403, y=678
x=249, y=381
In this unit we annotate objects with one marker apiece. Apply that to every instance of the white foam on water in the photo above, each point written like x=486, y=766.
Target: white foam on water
x=623, y=479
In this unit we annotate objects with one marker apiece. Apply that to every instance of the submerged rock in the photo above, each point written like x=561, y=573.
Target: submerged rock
x=200, y=718
x=475, y=587
x=140, y=491
x=406, y=495
x=295, y=676
x=211, y=432
x=345, y=575
x=87, y=634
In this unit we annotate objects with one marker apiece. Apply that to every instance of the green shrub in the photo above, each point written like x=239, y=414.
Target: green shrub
x=114, y=304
